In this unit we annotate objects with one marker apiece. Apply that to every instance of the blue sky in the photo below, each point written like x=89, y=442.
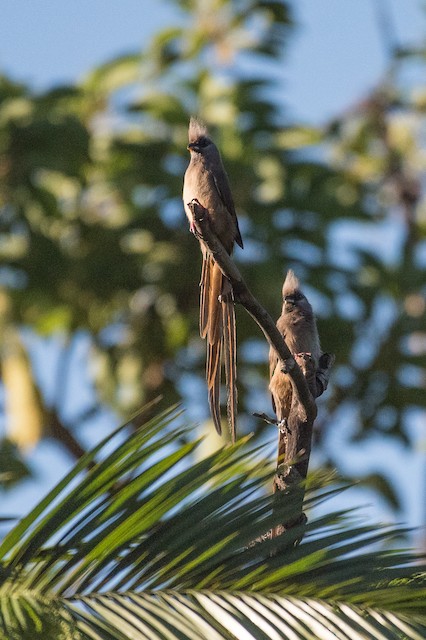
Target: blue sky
x=336, y=55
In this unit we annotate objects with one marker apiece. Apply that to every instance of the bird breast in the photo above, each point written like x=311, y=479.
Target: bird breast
x=199, y=183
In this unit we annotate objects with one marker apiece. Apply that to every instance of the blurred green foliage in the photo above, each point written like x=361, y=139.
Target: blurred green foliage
x=93, y=237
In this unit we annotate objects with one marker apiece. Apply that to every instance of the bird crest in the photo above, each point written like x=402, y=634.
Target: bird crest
x=197, y=129
x=291, y=284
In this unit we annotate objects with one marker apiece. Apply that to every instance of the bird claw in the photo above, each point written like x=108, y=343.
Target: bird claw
x=225, y=297
x=195, y=207
x=304, y=355
x=283, y=426
x=287, y=365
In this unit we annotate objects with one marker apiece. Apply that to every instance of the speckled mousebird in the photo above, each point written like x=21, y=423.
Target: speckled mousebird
x=298, y=327
x=206, y=181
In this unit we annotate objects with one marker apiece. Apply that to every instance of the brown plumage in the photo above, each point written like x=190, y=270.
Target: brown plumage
x=298, y=327
x=206, y=181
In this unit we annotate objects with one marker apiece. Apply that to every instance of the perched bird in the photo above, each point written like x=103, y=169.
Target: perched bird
x=298, y=327
x=206, y=181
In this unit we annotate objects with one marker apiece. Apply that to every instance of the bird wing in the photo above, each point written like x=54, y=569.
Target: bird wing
x=224, y=190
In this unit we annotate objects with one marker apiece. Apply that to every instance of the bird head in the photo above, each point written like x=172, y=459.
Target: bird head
x=293, y=298
x=198, y=136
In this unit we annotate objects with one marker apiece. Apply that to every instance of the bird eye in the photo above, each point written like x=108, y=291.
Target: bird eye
x=203, y=142
x=293, y=297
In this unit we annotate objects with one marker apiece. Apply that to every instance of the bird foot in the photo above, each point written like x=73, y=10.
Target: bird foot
x=307, y=366
x=198, y=211
x=304, y=355
x=287, y=365
x=283, y=426
x=225, y=297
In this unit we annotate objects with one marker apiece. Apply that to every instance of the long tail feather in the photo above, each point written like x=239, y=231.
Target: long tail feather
x=217, y=324
x=230, y=357
x=213, y=375
x=204, y=296
x=215, y=280
x=211, y=327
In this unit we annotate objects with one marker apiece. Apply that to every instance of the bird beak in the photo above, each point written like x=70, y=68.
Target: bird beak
x=192, y=146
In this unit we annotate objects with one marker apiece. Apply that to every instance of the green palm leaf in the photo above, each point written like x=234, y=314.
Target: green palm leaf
x=206, y=614
x=141, y=541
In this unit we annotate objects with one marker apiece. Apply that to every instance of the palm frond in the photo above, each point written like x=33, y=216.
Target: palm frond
x=239, y=615
x=139, y=540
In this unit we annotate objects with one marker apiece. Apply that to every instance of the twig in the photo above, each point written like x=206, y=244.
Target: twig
x=266, y=418
x=386, y=28
x=59, y=432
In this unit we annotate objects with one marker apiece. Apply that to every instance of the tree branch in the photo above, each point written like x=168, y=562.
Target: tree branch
x=307, y=383
x=243, y=296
